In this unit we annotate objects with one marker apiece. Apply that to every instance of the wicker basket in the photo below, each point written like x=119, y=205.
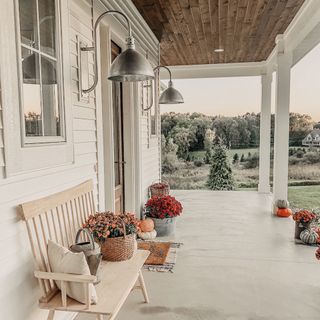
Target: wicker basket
x=160, y=192
x=120, y=248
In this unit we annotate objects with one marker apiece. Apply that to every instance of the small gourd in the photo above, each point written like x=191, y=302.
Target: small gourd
x=146, y=225
x=282, y=204
x=284, y=212
x=309, y=236
x=147, y=235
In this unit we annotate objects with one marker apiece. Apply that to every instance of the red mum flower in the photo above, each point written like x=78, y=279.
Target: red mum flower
x=163, y=207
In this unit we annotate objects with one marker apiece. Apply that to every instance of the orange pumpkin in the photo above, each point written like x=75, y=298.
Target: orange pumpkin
x=146, y=225
x=284, y=212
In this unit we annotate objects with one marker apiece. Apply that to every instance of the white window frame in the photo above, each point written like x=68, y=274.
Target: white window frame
x=26, y=140
x=23, y=158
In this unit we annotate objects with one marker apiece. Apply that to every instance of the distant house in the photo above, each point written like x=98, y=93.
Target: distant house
x=312, y=139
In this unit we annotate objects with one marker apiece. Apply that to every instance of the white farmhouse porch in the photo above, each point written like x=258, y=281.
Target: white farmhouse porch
x=237, y=262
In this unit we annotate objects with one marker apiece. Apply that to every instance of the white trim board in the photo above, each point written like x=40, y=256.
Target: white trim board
x=216, y=70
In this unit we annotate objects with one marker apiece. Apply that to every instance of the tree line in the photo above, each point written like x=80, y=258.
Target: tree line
x=191, y=131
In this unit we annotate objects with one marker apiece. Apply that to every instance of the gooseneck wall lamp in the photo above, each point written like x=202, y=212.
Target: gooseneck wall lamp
x=130, y=65
x=169, y=95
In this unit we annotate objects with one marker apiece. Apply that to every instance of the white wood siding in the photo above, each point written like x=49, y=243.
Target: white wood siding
x=1, y=141
x=16, y=259
x=150, y=154
x=20, y=292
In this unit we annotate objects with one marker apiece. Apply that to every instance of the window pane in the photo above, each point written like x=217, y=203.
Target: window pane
x=28, y=23
x=47, y=21
x=50, y=101
x=31, y=93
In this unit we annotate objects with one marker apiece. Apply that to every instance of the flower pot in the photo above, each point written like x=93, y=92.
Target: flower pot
x=119, y=249
x=165, y=227
x=299, y=227
x=159, y=189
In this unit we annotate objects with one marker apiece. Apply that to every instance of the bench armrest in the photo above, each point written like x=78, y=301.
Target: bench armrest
x=69, y=277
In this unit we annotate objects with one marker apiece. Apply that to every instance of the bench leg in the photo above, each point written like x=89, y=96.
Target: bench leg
x=99, y=317
x=51, y=314
x=143, y=287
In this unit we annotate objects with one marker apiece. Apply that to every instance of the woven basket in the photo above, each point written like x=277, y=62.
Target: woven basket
x=119, y=249
x=155, y=191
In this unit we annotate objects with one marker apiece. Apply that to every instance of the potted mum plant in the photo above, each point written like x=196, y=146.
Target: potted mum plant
x=163, y=211
x=303, y=219
x=116, y=234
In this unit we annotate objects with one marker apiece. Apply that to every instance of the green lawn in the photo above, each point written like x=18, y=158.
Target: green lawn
x=231, y=152
x=299, y=196
x=240, y=152
x=304, y=197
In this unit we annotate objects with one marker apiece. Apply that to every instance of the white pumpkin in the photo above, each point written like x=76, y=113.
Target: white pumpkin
x=147, y=235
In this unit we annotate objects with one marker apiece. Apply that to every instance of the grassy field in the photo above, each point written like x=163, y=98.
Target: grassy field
x=304, y=178
x=304, y=197
x=231, y=152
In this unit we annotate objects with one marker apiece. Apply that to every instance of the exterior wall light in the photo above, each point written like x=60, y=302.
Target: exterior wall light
x=169, y=95
x=130, y=65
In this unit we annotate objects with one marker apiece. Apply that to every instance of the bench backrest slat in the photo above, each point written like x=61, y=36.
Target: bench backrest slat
x=57, y=217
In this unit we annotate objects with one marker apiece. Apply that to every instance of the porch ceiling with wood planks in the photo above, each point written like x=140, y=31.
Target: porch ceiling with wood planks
x=190, y=30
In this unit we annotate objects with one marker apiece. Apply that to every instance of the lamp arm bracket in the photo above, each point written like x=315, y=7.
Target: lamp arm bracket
x=151, y=100
x=159, y=67
x=153, y=93
x=87, y=48
x=130, y=42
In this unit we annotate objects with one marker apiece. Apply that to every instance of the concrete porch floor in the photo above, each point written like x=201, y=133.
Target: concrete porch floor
x=238, y=262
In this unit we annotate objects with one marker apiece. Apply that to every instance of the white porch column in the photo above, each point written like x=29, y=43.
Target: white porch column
x=281, y=141
x=265, y=126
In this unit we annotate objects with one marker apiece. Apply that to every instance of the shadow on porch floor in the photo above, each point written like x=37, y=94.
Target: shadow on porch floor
x=237, y=262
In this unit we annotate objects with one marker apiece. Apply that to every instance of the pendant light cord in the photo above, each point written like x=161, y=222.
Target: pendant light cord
x=130, y=43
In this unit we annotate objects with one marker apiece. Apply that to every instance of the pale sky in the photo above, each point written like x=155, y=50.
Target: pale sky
x=234, y=96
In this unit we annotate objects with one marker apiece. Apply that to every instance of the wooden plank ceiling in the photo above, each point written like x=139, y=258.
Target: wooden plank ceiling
x=190, y=30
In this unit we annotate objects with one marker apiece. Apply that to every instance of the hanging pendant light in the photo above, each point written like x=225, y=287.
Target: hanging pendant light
x=130, y=65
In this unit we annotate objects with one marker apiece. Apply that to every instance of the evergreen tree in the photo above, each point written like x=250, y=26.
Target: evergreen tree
x=208, y=156
x=220, y=176
x=242, y=158
x=235, y=158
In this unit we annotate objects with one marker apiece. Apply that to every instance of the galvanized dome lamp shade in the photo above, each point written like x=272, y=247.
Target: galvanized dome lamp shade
x=170, y=95
x=130, y=65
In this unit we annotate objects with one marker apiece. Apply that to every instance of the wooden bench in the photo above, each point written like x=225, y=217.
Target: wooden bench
x=58, y=217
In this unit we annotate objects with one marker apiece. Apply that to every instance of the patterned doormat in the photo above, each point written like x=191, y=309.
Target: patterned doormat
x=166, y=264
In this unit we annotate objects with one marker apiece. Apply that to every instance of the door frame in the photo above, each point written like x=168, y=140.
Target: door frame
x=118, y=120
x=131, y=131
